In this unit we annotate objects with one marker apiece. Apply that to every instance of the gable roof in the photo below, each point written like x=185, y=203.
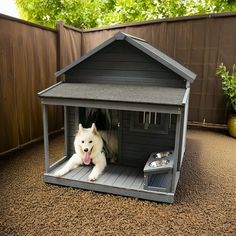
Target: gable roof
x=142, y=45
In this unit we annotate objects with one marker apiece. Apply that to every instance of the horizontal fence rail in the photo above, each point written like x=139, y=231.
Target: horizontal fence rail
x=30, y=55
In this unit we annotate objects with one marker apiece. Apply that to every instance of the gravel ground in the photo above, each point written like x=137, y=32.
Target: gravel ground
x=205, y=200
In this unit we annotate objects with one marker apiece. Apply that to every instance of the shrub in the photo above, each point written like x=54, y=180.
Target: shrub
x=228, y=84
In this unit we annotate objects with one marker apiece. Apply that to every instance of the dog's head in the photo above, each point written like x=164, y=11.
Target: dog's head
x=89, y=141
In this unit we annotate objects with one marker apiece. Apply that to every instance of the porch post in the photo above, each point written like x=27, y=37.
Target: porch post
x=176, y=151
x=65, y=132
x=45, y=137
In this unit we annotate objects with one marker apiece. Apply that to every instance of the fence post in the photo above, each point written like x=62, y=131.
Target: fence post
x=60, y=45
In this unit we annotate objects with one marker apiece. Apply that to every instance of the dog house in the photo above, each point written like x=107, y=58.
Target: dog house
x=143, y=95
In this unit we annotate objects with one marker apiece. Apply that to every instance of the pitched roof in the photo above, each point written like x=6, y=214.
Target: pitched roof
x=142, y=45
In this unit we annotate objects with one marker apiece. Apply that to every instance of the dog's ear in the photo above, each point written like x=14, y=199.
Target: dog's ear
x=81, y=128
x=94, y=129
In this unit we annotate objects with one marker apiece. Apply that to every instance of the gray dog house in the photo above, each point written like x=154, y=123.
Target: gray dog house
x=146, y=94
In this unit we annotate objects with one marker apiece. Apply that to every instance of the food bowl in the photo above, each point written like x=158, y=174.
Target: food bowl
x=159, y=163
x=160, y=155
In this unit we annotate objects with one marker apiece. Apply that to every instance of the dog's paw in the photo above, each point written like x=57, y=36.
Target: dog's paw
x=92, y=177
x=59, y=173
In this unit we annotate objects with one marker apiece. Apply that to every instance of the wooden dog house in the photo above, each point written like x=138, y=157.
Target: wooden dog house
x=149, y=93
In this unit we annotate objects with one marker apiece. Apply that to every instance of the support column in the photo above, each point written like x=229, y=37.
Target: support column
x=65, y=132
x=180, y=151
x=45, y=136
x=176, y=151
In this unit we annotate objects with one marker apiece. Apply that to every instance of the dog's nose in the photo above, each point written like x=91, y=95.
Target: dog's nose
x=86, y=149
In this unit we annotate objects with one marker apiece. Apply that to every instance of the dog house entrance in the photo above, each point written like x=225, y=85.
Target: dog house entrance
x=129, y=137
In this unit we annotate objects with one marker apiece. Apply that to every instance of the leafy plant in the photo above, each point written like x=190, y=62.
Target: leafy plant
x=228, y=84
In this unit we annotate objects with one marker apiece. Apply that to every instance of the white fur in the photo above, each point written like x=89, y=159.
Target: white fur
x=86, y=139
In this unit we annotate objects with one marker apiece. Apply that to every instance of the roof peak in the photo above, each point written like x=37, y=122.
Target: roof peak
x=122, y=36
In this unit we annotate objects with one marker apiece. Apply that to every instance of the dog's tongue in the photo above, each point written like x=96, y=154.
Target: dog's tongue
x=87, y=158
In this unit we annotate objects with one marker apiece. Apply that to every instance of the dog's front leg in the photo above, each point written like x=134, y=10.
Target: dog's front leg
x=99, y=165
x=71, y=164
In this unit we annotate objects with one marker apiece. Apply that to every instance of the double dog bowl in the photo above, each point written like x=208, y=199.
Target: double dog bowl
x=160, y=159
x=158, y=171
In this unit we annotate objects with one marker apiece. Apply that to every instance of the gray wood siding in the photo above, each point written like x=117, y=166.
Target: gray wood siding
x=137, y=146
x=121, y=63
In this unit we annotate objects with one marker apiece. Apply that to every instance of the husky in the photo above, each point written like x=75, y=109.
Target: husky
x=88, y=146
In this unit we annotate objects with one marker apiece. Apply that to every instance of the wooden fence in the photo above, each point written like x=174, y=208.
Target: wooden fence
x=30, y=55
x=27, y=63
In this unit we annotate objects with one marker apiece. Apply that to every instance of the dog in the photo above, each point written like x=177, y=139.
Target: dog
x=88, y=146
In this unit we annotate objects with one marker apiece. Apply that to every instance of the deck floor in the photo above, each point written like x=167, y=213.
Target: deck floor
x=115, y=179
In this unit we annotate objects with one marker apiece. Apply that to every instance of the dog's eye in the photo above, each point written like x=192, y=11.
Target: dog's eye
x=90, y=141
x=82, y=141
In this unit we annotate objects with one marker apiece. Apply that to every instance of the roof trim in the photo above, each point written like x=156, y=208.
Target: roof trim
x=49, y=88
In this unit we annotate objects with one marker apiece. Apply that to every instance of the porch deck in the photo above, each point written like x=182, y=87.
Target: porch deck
x=115, y=179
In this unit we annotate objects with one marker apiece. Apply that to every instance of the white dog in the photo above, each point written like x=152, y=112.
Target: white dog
x=88, y=148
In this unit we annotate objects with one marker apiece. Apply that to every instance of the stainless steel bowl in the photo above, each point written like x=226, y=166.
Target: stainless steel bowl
x=160, y=155
x=159, y=163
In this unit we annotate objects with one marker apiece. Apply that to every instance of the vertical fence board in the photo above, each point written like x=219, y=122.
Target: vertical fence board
x=8, y=125
x=70, y=44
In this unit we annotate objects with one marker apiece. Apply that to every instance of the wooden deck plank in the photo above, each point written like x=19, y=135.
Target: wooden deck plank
x=82, y=173
x=85, y=175
x=131, y=178
x=112, y=175
x=139, y=180
x=70, y=174
x=120, y=171
x=122, y=177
